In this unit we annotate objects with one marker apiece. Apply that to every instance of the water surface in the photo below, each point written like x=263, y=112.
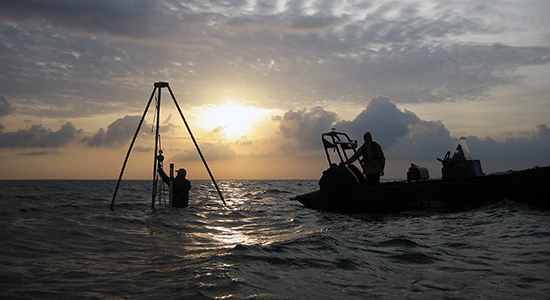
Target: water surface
x=60, y=240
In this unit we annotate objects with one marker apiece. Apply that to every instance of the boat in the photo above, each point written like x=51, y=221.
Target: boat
x=463, y=184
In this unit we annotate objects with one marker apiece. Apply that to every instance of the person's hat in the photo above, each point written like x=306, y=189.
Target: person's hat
x=182, y=172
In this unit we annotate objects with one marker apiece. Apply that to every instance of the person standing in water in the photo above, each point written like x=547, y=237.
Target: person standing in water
x=180, y=189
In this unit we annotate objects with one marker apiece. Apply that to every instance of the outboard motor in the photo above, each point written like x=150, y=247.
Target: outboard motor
x=461, y=164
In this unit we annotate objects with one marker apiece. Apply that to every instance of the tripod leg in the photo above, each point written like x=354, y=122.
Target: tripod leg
x=196, y=145
x=131, y=146
x=156, y=148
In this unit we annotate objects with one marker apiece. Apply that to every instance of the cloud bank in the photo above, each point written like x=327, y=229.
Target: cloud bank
x=37, y=136
x=406, y=137
x=280, y=54
x=119, y=132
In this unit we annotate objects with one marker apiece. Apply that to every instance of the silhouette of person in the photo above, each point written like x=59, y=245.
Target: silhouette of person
x=374, y=161
x=180, y=196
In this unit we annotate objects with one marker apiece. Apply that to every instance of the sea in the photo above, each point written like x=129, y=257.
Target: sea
x=61, y=240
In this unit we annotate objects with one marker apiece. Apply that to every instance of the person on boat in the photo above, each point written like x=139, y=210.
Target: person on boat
x=373, y=162
x=181, y=187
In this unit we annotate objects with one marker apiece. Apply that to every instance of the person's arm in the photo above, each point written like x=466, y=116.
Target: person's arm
x=164, y=176
x=187, y=184
x=355, y=156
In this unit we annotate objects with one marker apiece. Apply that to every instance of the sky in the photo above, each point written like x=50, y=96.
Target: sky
x=259, y=81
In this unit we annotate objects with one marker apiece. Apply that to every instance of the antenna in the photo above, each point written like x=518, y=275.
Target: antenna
x=158, y=87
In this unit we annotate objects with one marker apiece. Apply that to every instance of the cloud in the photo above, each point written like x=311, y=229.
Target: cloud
x=211, y=152
x=406, y=137
x=118, y=132
x=426, y=140
x=167, y=126
x=143, y=149
x=37, y=136
x=305, y=126
x=120, y=18
x=5, y=110
x=39, y=153
x=5, y=107
x=280, y=55
x=217, y=132
x=388, y=124
x=529, y=150
x=244, y=140
x=383, y=119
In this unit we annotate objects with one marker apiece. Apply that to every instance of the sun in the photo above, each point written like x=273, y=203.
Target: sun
x=233, y=120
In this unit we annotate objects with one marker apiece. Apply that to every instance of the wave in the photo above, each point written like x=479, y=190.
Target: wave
x=61, y=240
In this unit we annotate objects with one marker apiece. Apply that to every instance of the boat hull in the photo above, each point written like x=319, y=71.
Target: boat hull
x=527, y=186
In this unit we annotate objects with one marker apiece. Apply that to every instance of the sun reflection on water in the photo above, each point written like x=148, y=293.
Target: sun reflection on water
x=229, y=225
x=230, y=236
x=253, y=215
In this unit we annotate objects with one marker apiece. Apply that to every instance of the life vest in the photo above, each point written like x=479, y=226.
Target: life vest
x=374, y=151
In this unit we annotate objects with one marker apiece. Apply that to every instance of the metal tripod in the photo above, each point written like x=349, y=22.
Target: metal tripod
x=158, y=87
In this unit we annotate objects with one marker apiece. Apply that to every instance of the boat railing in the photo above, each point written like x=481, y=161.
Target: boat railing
x=340, y=143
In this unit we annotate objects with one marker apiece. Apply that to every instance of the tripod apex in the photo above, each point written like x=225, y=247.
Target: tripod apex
x=161, y=84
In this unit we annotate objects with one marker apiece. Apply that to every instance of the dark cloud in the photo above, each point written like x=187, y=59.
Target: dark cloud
x=401, y=131
x=67, y=59
x=5, y=110
x=122, y=18
x=118, y=132
x=406, y=137
x=388, y=124
x=5, y=107
x=383, y=119
x=412, y=74
x=306, y=126
x=529, y=150
x=426, y=140
x=39, y=137
x=410, y=138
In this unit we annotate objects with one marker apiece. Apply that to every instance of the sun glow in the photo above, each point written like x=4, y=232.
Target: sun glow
x=233, y=120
